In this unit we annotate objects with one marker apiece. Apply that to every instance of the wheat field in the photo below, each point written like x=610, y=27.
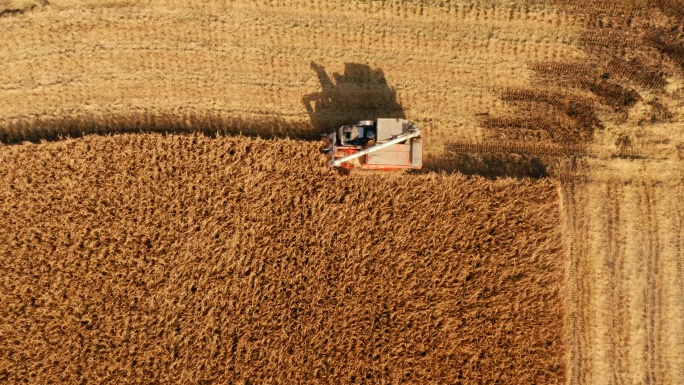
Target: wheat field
x=587, y=93
x=188, y=259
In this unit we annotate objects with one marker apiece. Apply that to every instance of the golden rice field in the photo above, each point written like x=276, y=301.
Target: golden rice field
x=542, y=244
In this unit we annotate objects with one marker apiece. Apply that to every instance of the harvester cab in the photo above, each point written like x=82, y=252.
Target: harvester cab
x=381, y=144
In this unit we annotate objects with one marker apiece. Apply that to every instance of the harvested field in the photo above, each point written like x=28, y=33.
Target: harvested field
x=626, y=288
x=307, y=65
x=187, y=259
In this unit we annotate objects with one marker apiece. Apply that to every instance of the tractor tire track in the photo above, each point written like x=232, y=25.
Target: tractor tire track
x=679, y=284
x=650, y=291
x=598, y=284
x=615, y=265
x=573, y=274
x=668, y=312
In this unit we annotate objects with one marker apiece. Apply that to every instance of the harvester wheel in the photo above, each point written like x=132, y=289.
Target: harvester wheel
x=325, y=144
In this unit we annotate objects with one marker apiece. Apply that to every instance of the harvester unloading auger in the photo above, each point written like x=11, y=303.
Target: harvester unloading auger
x=381, y=144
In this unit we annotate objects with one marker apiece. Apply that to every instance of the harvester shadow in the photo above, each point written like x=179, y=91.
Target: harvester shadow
x=360, y=93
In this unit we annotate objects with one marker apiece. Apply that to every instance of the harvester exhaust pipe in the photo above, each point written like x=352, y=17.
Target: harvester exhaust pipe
x=413, y=132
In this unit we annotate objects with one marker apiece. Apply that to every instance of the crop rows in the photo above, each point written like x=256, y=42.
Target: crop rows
x=629, y=50
x=582, y=112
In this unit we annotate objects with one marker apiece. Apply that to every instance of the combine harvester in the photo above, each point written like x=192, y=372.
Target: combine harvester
x=381, y=144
